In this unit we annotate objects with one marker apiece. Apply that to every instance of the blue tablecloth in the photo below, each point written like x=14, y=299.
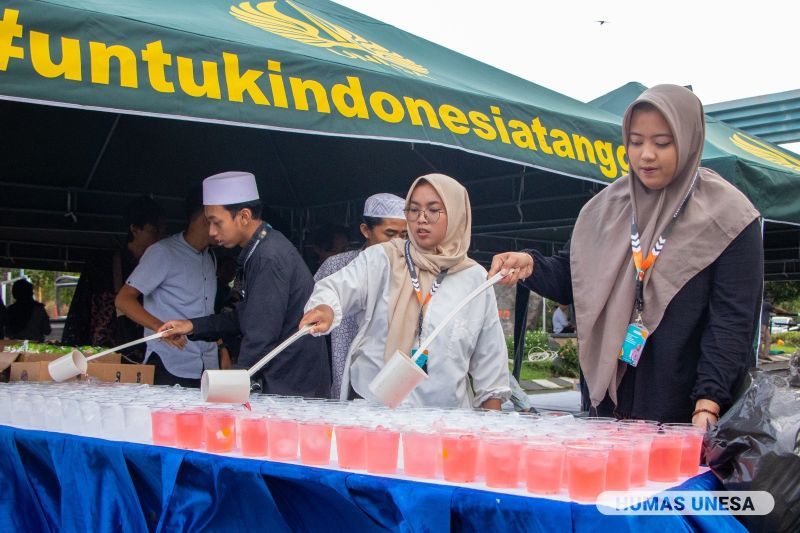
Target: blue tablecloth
x=57, y=482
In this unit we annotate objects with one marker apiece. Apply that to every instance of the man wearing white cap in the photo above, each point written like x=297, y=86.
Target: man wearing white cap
x=384, y=220
x=273, y=283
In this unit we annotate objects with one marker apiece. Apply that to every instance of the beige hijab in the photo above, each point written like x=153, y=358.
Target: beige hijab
x=451, y=254
x=600, y=254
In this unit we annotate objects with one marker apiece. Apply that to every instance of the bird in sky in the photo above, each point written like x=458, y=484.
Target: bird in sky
x=601, y=22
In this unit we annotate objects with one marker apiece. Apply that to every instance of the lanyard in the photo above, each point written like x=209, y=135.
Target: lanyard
x=239, y=283
x=423, y=301
x=643, y=264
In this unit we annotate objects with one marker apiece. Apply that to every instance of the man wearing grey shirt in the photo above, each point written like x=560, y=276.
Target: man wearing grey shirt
x=177, y=277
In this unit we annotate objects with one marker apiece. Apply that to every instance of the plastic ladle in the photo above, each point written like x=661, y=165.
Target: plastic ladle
x=233, y=386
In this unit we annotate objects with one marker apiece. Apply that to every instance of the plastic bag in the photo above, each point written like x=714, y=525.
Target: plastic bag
x=755, y=447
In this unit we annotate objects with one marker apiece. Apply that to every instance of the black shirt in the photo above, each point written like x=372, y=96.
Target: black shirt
x=704, y=344
x=276, y=284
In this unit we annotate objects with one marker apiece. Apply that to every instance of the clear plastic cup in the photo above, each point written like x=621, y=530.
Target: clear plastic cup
x=220, y=430
x=382, y=449
x=189, y=429
x=253, y=434
x=586, y=466
x=72, y=416
x=53, y=417
x=618, y=471
x=502, y=455
x=91, y=420
x=421, y=448
x=112, y=420
x=21, y=412
x=138, y=424
x=544, y=458
x=37, y=416
x=351, y=446
x=315, y=442
x=459, y=456
x=692, y=448
x=283, y=435
x=665, y=455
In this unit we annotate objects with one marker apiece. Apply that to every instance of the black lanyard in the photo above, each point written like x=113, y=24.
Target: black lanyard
x=239, y=283
x=423, y=300
x=641, y=264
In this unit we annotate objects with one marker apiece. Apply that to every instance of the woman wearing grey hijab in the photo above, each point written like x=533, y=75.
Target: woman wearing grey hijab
x=665, y=270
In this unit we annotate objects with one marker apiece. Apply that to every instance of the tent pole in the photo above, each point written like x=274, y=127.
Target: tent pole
x=102, y=152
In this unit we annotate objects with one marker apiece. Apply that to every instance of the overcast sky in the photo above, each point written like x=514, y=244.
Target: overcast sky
x=725, y=50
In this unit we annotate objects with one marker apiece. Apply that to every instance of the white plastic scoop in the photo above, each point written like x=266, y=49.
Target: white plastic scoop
x=401, y=374
x=75, y=362
x=233, y=386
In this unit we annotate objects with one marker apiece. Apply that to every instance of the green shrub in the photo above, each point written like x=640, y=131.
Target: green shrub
x=789, y=337
x=567, y=364
x=535, y=341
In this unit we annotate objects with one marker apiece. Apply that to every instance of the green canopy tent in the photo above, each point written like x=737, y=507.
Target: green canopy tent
x=324, y=104
x=766, y=173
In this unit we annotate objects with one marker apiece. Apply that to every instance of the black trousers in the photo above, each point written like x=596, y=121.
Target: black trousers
x=163, y=377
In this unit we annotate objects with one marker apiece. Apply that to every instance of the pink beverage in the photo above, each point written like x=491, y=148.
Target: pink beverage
x=502, y=456
x=220, y=430
x=420, y=450
x=189, y=430
x=692, y=447
x=382, y=447
x=544, y=464
x=351, y=447
x=283, y=434
x=618, y=471
x=163, y=426
x=459, y=456
x=253, y=436
x=315, y=443
x=640, y=460
x=665, y=456
x=586, y=465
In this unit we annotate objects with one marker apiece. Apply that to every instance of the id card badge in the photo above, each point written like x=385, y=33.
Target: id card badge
x=633, y=345
x=422, y=360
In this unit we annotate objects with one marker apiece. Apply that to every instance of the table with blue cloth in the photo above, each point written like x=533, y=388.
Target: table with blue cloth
x=60, y=482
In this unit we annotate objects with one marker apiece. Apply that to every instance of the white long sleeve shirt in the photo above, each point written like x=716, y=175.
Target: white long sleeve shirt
x=471, y=345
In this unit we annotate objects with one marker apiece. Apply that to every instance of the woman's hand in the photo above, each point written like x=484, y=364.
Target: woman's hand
x=518, y=264
x=702, y=418
x=321, y=316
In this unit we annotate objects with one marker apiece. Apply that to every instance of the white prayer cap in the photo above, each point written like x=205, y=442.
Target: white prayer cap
x=230, y=188
x=385, y=205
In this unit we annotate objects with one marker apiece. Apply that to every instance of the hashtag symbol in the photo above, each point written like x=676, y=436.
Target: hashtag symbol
x=9, y=29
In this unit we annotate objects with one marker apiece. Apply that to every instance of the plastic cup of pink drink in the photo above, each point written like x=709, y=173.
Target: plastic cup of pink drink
x=502, y=455
x=351, y=446
x=459, y=456
x=665, y=455
x=163, y=420
x=220, y=430
x=421, y=447
x=189, y=429
x=692, y=447
x=253, y=435
x=383, y=444
x=620, y=455
x=544, y=461
x=315, y=442
x=283, y=436
x=586, y=465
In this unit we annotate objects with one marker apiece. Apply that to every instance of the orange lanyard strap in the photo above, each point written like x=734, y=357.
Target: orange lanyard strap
x=643, y=264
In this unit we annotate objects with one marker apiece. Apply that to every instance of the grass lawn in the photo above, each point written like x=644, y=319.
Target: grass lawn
x=533, y=371
x=787, y=349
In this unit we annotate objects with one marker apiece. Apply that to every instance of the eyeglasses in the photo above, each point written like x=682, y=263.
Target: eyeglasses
x=432, y=215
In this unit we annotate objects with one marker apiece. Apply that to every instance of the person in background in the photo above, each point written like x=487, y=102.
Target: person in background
x=666, y=262
x=92, y=317
x=273, y=284
x=27, y=319
x=326, y=241
x=383, y=220
x=175, y=277
x=561, y=322
x=402, y=289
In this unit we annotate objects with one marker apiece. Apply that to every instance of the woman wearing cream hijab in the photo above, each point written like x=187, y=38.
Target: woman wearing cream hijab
x=377, y=287
x=693, y=240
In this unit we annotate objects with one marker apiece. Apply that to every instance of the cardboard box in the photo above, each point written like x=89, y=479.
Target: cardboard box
x=32, y=357
x=31, y=371
x=122, y=373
